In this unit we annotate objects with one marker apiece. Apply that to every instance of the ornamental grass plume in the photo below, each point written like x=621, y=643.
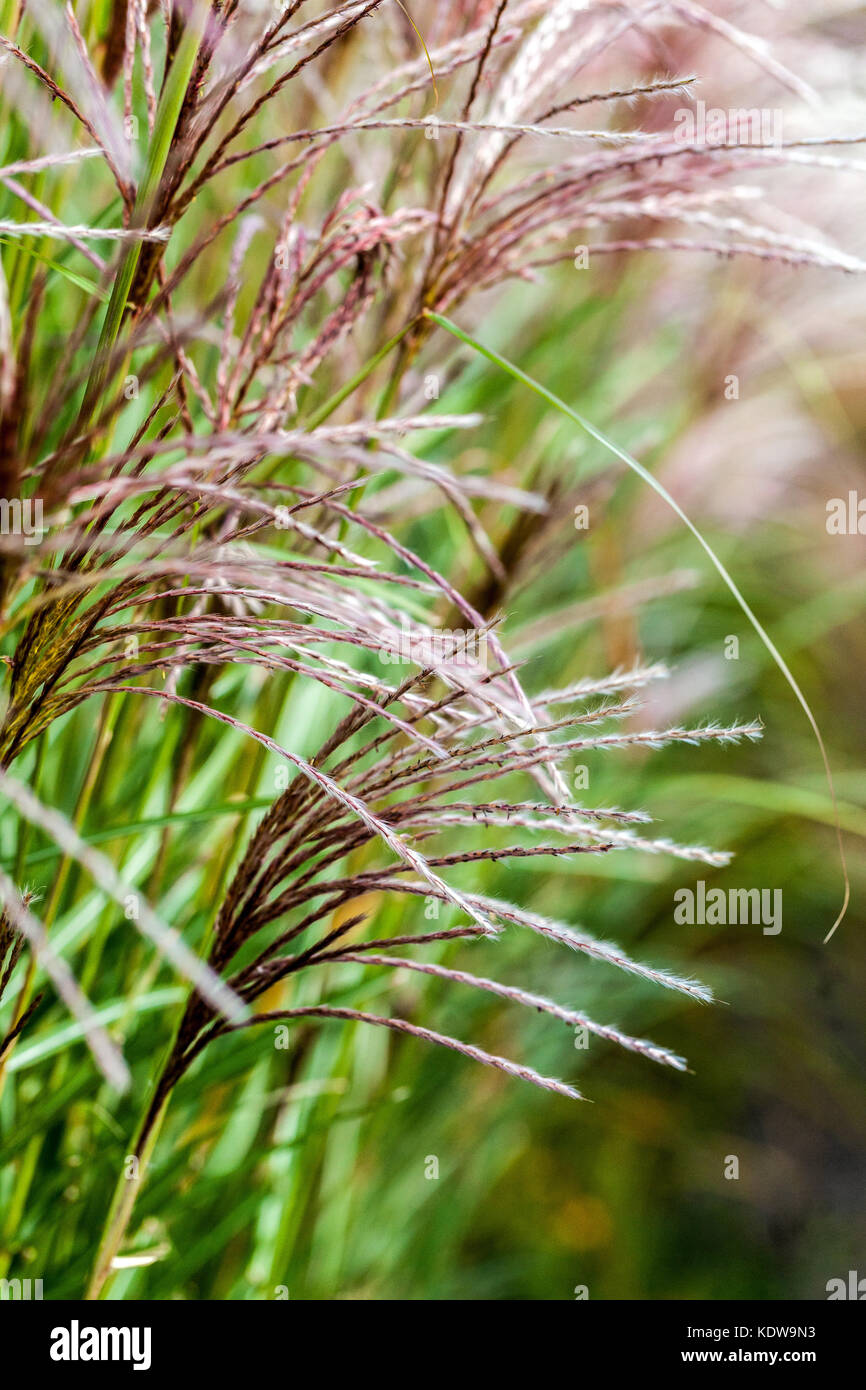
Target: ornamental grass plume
x=228, y=230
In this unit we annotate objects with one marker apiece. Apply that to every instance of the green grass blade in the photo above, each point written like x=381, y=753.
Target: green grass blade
x=141, y=827
x=80, y=281
x=60, y=1038
x=167, y=114
x=596, y=434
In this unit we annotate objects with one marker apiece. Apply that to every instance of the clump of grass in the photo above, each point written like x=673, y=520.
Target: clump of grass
x=236, y=323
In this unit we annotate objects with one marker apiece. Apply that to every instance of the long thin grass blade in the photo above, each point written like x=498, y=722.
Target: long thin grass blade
x=662, y=491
